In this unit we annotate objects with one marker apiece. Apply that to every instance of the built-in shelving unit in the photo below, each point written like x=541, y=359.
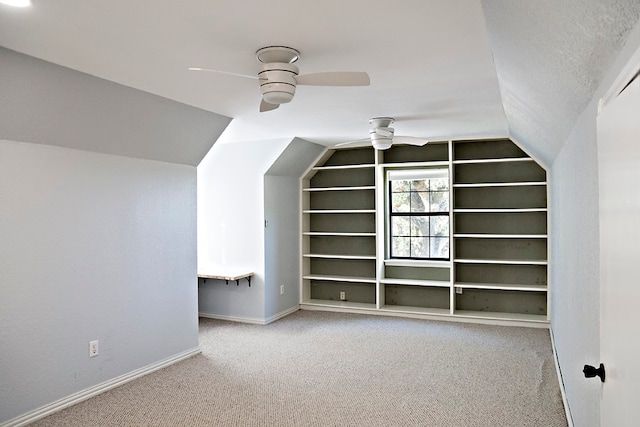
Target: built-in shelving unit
x=498, y=268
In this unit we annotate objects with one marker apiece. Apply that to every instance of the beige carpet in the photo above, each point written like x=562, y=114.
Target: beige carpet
x=331, y=369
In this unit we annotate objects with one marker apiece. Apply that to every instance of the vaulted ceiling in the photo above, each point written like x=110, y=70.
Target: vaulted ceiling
x=442, y=68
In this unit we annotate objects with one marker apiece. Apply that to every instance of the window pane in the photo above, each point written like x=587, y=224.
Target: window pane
x=439, y=226
x=419, y=201
x=400, y=247
x=400, y=226
x=439, y=247
x=399, y=186
x=420, y=226
x=400, y=202
x=420, y=185
x=440, y=201
x=420, y=247
x=439, y=184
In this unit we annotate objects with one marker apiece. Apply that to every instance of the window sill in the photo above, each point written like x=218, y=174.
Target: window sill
x=416, y=263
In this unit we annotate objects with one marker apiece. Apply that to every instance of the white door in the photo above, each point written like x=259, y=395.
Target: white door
x=619, y=189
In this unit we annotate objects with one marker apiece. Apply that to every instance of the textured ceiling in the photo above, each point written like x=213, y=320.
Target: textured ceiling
x=431, y=62
x=550, y=56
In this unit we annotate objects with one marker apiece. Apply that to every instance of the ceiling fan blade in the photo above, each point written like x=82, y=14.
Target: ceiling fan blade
x=209, y=70
x=334, y=78
x=266, y=106
x=358, y=141
x=411, y=140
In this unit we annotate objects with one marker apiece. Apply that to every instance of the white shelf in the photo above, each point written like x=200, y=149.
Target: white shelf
x=502, y=261
x=415, y=164
x=411, y=310
x=334, y=256
x=364, y=187
x=339, y=304
x=541, y=318
x=340, y=278
x=502, y=286
x=501, y=184
x=360, y=166
x=500, y=236
x=339, y=211
x=499, y=210
x=416, y=282
x=331, y=233
x=499, y=160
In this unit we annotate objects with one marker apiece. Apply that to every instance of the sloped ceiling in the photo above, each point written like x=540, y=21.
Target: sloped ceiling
x=45, y=103
x=550, y=56
x=431, y=62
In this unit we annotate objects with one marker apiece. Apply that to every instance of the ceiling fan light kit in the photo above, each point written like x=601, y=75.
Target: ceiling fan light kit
x=278, y=76
x=382, y=135
x=277, y=82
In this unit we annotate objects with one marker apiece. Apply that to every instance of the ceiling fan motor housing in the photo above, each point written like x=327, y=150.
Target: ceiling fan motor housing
x=381, y=140
x=277, y=82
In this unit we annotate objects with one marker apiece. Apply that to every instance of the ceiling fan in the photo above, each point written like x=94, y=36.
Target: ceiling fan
x=382, y=135
x=279, y=77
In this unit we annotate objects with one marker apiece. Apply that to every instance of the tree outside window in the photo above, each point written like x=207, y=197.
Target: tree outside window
x=419, y=213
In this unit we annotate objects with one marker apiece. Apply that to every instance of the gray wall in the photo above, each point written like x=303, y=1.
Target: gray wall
x=282, y=234
x=231, y=226
x=92, y=247
x=575, y=253
x=240, y=186
x=97, y=229
x=44, y=103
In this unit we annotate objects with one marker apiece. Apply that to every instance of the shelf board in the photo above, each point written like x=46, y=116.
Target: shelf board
x=340, y=278
x=332, y=233
x=411, y=309
x=416, y=164
x=335, y=256
x=500, y=236
x=500, y=184
x=499, y=160
x=541, y=318
x=501, y=261
x=502, y=286
x=358, y=166
x=340, y=304
x=415, y=282
x=339, y=211
x=499, y=210
x=364, y=187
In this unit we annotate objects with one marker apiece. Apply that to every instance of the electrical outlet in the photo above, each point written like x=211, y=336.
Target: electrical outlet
x=93, y=348
x=459, y=291
x=343, y=296
x=281, y=289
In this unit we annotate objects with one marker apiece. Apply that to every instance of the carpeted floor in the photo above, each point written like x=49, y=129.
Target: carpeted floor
x=332, y=369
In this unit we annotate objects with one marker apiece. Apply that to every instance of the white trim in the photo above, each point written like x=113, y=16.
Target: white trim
x=403, y=262
x=90, y=392
x=628, y=73
x=565, y=402
x=407, y=313
x=252, y=320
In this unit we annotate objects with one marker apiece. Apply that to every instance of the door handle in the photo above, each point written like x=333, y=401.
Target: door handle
x=591, y=371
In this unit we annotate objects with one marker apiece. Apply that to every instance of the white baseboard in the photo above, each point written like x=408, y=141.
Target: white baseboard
x=90, y=392
x=565, y=402
x=252, y=320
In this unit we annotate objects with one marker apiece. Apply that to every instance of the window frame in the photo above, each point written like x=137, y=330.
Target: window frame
x=415, y=173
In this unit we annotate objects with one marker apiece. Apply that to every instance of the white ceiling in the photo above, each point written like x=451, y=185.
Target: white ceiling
x=431, y=62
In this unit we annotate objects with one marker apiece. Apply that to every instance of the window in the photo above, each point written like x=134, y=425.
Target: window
x=419, y=213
